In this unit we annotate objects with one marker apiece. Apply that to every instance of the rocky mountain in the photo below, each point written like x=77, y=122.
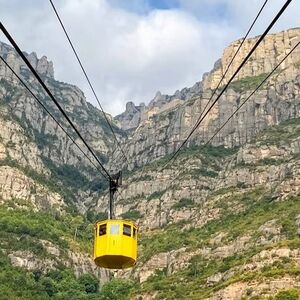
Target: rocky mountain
x=167, y=120
x=51, y=149
x=131, y=118
x=45, y=184
x=134, y=115
x=221, y=222
x=226, y=226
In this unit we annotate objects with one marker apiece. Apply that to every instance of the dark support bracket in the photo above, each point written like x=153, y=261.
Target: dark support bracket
x=114, y=184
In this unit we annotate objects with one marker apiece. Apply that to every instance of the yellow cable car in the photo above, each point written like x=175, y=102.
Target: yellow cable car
x=115, y=244
x=115, y=241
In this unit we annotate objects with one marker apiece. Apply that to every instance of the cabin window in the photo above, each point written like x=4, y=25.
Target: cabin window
x=102, y=229
x=134, y=232
x=127, y=230
x=114, y=229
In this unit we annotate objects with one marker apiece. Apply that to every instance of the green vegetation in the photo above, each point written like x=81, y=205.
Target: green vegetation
x=203, y=172
x=270, y=161
x=280, y=134
x=10, y=89
x=291, y=294
x=22, y=229
x=94, y=217
x=116, y=289
x=131, y=214
x=217, y=151
x=259, y=209
x=64, y=180
x=297, y=65
x=192, y=282
x=206, y=153
x=51, y=184
x=223, y=191
x=94, y=114
x=98, y=118
x=70, y=177
x=183, y=203
x=60, y=284
x=275, y=272
x=145, y=178
x=66, y=176
x=262, y=162
x=247, y=83
x=156, y=195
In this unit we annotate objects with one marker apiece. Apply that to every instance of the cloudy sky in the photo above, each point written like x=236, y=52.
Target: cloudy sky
x=133, y=48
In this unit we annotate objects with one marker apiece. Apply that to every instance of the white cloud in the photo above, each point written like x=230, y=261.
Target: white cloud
x=241, y=13
x=128, y=54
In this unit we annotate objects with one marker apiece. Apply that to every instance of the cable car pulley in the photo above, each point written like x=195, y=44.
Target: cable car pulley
x=115, y=241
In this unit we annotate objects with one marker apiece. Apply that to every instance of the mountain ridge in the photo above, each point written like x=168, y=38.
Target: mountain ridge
x=160, y=130
x=186, y=93
x=220, y=218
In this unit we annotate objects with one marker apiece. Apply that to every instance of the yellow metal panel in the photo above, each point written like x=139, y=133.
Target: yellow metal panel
x=114, y=249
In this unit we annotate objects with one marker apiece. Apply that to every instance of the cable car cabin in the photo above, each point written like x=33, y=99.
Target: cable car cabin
x=115, y=244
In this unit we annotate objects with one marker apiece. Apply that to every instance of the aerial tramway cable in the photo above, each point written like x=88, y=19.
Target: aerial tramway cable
x=115, y=241
x=50, y=114
x=14, y=44
x=232, y=59
x=252, y=93
x=247, y=99
x=88, y=80
x=227, y=68
x=260, y=39
x=106, y=253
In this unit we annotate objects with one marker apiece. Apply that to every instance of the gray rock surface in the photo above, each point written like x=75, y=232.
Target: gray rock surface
x=166, y=121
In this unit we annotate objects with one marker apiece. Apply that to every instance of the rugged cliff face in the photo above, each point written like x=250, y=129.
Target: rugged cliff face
x=44, y=182
x=168, y=119
x=25, y=123
x=222, y=222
